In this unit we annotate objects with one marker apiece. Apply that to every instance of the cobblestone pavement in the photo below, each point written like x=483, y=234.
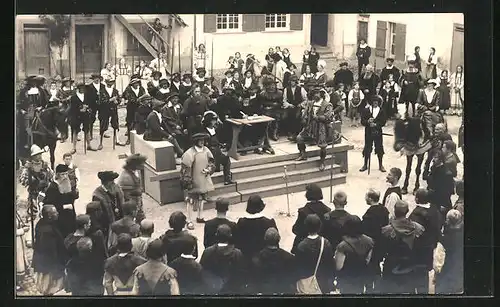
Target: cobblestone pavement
x=356, y=186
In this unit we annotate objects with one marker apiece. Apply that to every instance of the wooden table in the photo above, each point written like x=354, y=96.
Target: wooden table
x=237, y=124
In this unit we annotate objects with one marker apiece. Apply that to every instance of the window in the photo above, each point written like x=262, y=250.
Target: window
x=276, y=21
x=391, y=42
x=228, y=22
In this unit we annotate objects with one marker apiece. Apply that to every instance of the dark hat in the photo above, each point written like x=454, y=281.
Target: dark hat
x=209, y=116
x=80, y=85
x=110, y=81
x=412, y=61
x=30, y=78
x=228, y=72
x=330, y=83
x=156, y=73
x=343, y=64
x=250, y=71
x=135, y=80
x=200, y=70
x=39, y=78
x=136, y=159
x=61, y=168
x=313, y=192
x=176, y=75
x=107, y=176
x=376, y=98
x=205, y=90
x=276, y=57
x=95, y=76
x=255, y=204
x=431, y=81
x=135, y=76
x=67, y=79
x=199, y=136
x=155, y=103
x=186, y=76
x=391, y=60
x=163, y=81
x=172, y=95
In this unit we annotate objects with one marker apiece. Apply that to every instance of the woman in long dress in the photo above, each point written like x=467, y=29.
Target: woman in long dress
x=201, y=58
x=457, y=90
x=444, y=92
x=313, y=59
x=107, y=73
x=430, y=72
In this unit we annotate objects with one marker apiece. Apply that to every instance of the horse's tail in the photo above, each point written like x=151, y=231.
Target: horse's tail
x=399, y=134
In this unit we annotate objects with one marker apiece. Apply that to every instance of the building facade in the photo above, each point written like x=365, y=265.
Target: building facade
x=98, y=38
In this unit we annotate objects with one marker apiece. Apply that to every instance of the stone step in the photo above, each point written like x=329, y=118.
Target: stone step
x=278, y=178
x=233, y=198
x=293, y=187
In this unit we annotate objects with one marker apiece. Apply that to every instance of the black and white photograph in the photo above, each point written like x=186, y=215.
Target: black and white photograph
x=239, y=154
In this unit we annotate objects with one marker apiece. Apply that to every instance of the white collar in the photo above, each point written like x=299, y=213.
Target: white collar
x=199, y=149
x=155, y=82
x=97, y=86
x=313, y=236
x=64, y=88
x=394, y=186
x=109, y=90
x=122, y=254
x=164, y=90
x=33, y=91
x=104, y=188
x=188, y=256
x=363, y=45
x=254, y=216
x=80, y=96
x=211, y=130
x=253, y=96
x=136, y=91
x=389, y=67
x=426, y=206
x=222, y=244
x=187, y=84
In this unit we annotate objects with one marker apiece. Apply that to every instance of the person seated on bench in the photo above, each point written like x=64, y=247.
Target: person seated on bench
x=154, y=130
x=172, y=121
x=210, y=121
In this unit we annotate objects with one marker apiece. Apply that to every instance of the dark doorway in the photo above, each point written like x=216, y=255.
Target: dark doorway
x=89, y=45
x=37, y=51
x=319, y=29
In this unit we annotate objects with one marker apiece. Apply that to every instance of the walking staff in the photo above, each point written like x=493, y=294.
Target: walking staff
x=172, y=58
x=69, y=57
x=83, y=69
x=287, y=191
x=212, y=59
x=114, y=130
x=179, y=53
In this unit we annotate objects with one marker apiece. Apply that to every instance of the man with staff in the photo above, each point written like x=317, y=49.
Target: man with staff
x=94, y=95
x=108, y=110
x=373, y=118
x=80, y=114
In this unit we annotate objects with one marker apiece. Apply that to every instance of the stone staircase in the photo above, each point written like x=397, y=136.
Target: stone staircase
x=325, y=53
x=265, y=176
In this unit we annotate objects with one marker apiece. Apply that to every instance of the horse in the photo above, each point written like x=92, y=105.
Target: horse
x=414, y=137
x=45, y=128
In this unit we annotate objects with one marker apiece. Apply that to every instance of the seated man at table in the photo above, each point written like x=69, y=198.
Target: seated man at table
x=250, y=136
x=172, y=121
x=210, y=121
x=155, y=131
x=227, y=106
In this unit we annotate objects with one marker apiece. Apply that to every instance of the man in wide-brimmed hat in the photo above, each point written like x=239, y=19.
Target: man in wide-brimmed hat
x=61, y=194
x=172, y=120
x=130, y=182
x=318, y=115
x=293, y=97
x=390, y=69
x=210, y=122
x=175, y=85
x=108, y=110
x=195, y=177
x=186, y=86
x=93, y=94
x=154, y=83
x=272, y=101
x=199, y=77
x=411, y=81
x=228, y=78
x=132, y=93
x=155, y=130
x=373, y=118
x=111, y=198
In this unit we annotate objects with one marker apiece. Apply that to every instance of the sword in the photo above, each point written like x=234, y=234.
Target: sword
x=287, y=191
x=369, y=159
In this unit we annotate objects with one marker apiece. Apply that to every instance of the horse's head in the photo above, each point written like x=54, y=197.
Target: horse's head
x=53, y=118
x=407, y=131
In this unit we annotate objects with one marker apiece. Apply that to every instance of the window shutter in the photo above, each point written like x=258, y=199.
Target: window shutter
x=400, y=41
x=381, y=38
x=209, y=23
x=296, y=22
x=254, y=22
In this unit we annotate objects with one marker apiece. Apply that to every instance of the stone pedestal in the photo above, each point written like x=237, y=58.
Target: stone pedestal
x=161, y=159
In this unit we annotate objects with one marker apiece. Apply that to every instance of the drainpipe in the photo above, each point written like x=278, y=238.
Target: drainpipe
x=194, y=31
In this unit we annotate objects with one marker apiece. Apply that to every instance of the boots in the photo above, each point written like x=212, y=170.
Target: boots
x=365, y=165
x=322, y=156
x=228, y=178
x=302, y=152
x=380, y=166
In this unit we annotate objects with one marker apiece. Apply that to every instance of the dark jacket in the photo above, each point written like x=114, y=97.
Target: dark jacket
x=49, y=253
x=306, y=258
x=66, y=221
x=174, y=243
x=154, y=129
x=210, y=230
x=344, y=76
x=224, y=268
x=431, y=105
x=312, y=207
x=333, y=228
x=374, y=219
x=451, y=277
x=430, y=218
x=83, y=272
x=189, y=276
x=93, y=96
x=441, y=185
x=273, y=272
x=250, y=234
x=111, y=205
